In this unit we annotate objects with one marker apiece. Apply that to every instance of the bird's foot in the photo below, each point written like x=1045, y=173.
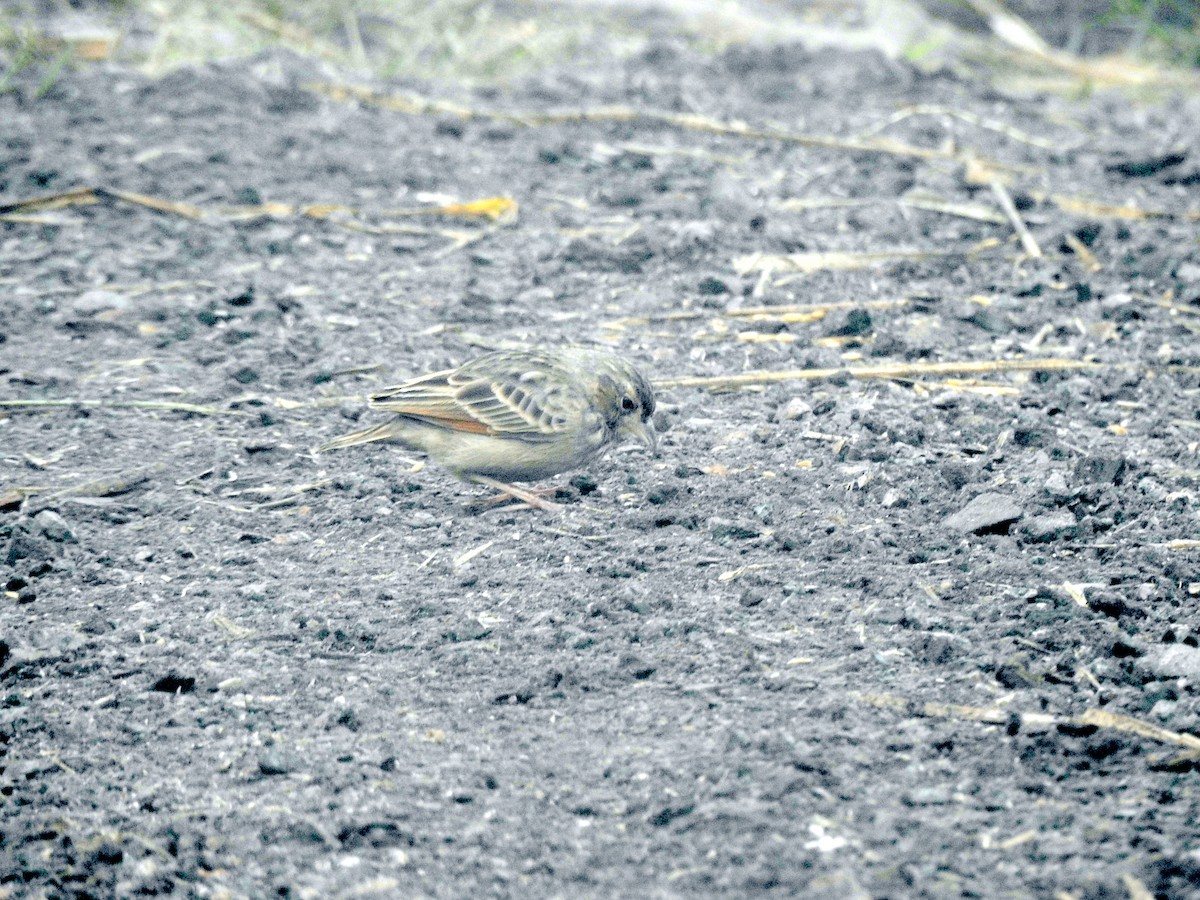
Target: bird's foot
x=531, y=498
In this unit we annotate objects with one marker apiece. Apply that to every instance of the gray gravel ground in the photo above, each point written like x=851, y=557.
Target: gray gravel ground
x=929, y=635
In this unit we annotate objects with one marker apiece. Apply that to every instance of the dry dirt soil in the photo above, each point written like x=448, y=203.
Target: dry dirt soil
x=929, y=635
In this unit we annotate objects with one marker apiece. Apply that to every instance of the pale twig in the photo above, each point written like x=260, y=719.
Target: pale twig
x=1086, y=258
x=976, y=211
x=1111, y=70
x=414, y=104
x=930, y=109
x=290, y=34
x=30, y=219
x=77, y=197
x=1004, y=198
x=297, y=492
x=110, y=486
x=1081, y=206
x=805, y=309
x=173, y=207
x=163, y=405
x=808, y=262
x=1095, y=718
x=890, y=370
x=690, y=152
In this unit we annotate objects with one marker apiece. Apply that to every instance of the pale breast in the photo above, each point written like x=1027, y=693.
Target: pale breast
x=505, y=459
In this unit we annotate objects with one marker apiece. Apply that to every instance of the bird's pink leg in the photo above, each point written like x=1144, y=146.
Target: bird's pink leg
x=529, y=498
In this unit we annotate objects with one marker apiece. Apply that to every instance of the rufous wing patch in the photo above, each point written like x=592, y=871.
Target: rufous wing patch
x=447, y=420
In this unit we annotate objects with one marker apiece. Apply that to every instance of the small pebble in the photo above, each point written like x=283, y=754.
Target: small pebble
x=1056, y=486
x=54, y=527
x=92, y=302
x=1052, y=526
x=272, y=763
x=794, y=409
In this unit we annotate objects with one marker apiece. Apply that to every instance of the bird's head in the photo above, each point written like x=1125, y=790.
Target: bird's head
x=627, y=399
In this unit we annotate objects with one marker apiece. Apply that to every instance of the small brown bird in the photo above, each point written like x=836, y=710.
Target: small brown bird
x=517, y=415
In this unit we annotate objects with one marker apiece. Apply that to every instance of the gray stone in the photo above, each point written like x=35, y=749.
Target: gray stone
x=940, y=647
x=988, y=510
x=26, y=547
x=794, y=409
x=1100, y=469
x=1052, y=526
x=1164, y=709
x=726, y=529
x=54, y=527
x=1056, y=486
x=928, y=796
x=92, y=302
x=467, y=629
x=273, y=763
x=1173, y=661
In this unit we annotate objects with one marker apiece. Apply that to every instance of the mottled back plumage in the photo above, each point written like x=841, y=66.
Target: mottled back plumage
x=517, y=415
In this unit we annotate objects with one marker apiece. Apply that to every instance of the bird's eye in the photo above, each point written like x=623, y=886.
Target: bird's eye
x=628, y=404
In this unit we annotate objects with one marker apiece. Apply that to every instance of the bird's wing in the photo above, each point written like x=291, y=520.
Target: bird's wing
x=508, y=395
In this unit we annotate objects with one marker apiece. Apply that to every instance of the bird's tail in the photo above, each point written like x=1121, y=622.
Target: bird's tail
x=384, y=432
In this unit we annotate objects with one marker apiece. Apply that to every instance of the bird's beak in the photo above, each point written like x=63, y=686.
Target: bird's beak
x=635, y=429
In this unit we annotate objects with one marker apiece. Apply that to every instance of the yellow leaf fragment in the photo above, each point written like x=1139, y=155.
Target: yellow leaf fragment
x=325, y=210
x=498, y=209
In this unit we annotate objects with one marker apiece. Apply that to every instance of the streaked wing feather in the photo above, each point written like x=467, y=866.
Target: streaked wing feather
x=430, y=398
x=424, y=388
x=511, y=408
x=507, y=396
